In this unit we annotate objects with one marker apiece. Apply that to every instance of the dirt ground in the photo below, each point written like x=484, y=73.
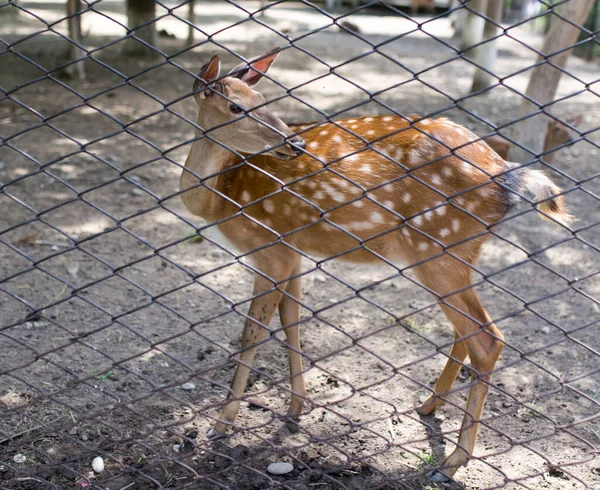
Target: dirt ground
x=107, y=308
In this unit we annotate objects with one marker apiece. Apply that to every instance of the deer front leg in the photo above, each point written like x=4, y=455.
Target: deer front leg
x=261, y=310
x=289, y=311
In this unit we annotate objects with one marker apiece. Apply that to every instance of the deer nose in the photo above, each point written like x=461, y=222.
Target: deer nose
x=297, y=144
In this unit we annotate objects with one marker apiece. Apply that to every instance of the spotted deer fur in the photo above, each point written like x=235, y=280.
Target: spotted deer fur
x=421, y=193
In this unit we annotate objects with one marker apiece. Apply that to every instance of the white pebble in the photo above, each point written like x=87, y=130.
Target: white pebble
x=546, y=330
x=19, y=458
x=280, y=468
x=98, y=464
x=188, y=386
x=176, y=448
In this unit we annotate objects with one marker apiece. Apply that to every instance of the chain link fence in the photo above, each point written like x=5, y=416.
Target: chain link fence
x=121, y=312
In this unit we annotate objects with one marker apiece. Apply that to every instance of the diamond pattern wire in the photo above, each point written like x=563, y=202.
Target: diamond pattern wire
x=121, y=311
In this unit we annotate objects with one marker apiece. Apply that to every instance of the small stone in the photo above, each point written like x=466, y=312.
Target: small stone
x=73, y=431
x=51, y=450
x=2, y=164
x=280, y=468
x=188, y=386
x=164, y=364
x=137, y=192
x=19, y=458
x=176, y=448
x=320, y=278
x=545, y=330
x=84, y=438
x=98, y=464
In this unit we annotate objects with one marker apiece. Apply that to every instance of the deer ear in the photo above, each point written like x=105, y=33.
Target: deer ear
x=252, y=71
x=208, y=73
x=575, y=121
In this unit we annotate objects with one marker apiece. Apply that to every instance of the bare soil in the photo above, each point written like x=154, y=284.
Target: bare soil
x=107, y=308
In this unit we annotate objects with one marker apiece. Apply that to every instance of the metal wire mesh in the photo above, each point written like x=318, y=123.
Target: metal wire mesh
x=121, y=312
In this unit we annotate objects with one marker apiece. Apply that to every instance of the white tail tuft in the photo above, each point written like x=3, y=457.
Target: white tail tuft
x=552, y=205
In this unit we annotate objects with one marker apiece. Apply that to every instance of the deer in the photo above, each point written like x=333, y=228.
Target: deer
x=414, y=192
x=558, y=134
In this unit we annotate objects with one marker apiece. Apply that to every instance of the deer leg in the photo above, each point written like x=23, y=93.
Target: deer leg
x=483, y=343
x=483, y=348
x=289, y=311
x=260, y=313
x=458, y=354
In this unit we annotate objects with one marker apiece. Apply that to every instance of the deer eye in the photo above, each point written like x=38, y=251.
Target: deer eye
x=236, y=109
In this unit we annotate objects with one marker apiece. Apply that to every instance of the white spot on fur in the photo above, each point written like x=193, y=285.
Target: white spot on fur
x=313, y=145
x=441, y=211
x=399, y=155
x=365, y=168
x=350, y=121
x=312, y=184
x=405, y=231
x=444, y=232
x=267, y=222
x=447, y=171
x=435, y=179
x=485, y=192
x=336, y=138
x=324, y=133
x=423, y=246
x=406, y=197
x=389, y=204
x=361, y=225
x=268, y=206
x=418, y=220
x=429, y=215
x=245, y=196
x=354, y=126
x=455, y=225
x=467, y=168
x=352, y=158
x=370, y=132
x=388, y=188
x=376, y=217
x=319, y=195
x=358, y=204
x=388, y=118
x=368, y=119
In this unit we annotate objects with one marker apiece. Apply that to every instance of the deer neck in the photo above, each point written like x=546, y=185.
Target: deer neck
x=205, y=159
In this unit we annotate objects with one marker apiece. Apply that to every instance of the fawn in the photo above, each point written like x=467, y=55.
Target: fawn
x=418, y=192
x=557, y=134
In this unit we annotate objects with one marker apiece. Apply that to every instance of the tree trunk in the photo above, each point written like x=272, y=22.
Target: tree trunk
x=473, y=26
x=192, y=21
x=544, y=79
x=140, y=17
x=75, y=70
x=485, y=55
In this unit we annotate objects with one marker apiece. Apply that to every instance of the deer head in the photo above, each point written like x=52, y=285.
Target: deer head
x=236, y=115
x=559, y=133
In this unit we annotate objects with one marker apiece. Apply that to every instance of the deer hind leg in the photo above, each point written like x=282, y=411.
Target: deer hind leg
x=260, y=313
x=456, y=359
x=483, y=343
x=289, y=311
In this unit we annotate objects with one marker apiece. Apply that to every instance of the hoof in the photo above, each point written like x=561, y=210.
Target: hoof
x=438, y=477
x=213, y=434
